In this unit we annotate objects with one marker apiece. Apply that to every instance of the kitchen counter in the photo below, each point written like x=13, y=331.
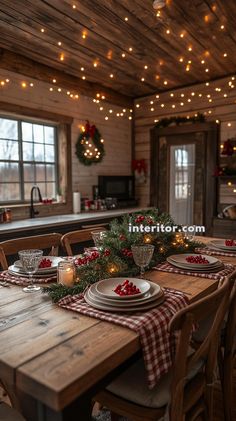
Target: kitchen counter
x=63, y=220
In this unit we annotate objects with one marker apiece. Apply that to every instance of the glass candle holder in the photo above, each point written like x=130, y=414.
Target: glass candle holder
x=66, y=273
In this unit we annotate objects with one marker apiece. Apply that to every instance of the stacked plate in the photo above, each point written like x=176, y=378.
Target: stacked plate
x=45, y=272
x=221, y=246
x=180, y=261
x=102, y=295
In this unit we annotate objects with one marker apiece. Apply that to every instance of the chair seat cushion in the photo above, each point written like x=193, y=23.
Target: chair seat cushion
x=132, y=386
x=9, y=414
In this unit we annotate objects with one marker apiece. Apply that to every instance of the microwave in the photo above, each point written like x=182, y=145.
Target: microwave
x=120, y=187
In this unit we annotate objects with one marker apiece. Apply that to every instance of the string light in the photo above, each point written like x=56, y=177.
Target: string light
x=42, y=30
x=23, y=84
x=59, y=43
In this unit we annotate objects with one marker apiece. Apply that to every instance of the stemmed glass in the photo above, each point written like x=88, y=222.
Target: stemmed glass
x=190, y=235
x=142, y=256
x=30, y=260
x=98, y=236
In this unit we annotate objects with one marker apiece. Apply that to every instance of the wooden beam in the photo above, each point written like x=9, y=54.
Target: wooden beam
x=19, y=64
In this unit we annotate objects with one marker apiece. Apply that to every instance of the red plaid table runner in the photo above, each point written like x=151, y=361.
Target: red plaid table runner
x=212, y=252
x=216, y=276
x=5, y=276
x=151, y=326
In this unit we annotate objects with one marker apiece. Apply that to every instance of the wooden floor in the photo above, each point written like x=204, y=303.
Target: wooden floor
x=218, y=408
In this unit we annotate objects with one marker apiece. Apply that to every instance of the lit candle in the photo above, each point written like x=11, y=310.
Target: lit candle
x=66, y=274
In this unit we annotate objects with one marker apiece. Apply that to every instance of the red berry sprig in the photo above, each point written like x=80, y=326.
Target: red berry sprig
x=45, y=263
x=230, y=243
x=107, y=252
x=127, y=288
x=197, y=259
x=86, y=259
x=139, y=219
x=122, y=237
x=126, y=252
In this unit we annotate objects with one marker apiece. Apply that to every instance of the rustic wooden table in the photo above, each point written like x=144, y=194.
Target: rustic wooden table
x=55, y=360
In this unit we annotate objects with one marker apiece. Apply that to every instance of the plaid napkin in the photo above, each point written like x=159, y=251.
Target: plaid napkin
x=151, y=326
x=212, y=252
x=216, y=276
x=23, y=281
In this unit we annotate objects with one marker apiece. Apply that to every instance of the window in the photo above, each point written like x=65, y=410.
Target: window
x=27, y=157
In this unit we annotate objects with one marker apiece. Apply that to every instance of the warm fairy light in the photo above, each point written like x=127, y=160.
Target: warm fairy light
x=42, y=30
x=167, y=31
x=123, y=55
x=51, y=89
x=165, y=82
x=229, y=124
x=111, y=75
x=173, y=105
x=190, y=48
x=206, y=18
x=157, y=96
x=102, y=140
x=189, y=61
x=142, y=79
x=217, y=121
x=95, y=64
x=2, y=83
x=103, y=97
x=206, y=70
x=74, y=6
x=106, y=118
x=152, y=109
x=229, y=183
x=31, y=85
x=68, y=93
x=162, y=105
x=126, y=19
x=137, y=105
x=210, y=100
x=189, y=100
x=187, y=68
x=23, y=84
x=151, y=102
x=130, y=118
x=203, y=61
x=158, y=13
x=83, y=77
x=182, y=95
x=225, y=95
x=181, y=35
x=181, y=59
x=208, y=95
x=147, y=239
x=192, y=93
x=84, y=34
x=54, y=81
x=182, y=104
x=130, y=49
x=207, y=84
x=62, y=57
x=59, y=43
x=171, y=94
x=59, y=89
x=145, y=67
x=222, y=27
x=101, y=108
x=7, y=80
x=110, y=111
x=98, y=95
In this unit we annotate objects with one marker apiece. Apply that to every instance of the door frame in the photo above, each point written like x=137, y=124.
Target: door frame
x=209, y=159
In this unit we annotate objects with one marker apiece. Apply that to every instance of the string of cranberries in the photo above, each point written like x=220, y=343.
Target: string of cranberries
x=197, y=259
x=127, y=288
x=126, y=252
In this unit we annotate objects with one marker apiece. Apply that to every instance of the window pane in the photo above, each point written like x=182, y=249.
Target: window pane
x=28, y=151
x=50, y=153
x=9, y=172
x=50, y=171
x=27, y=131
x=9, y=192
x=38, y=152
x=42, y=188
x=51, y=190
x=29, y=173
x=8, y=129
x=9, y=150
x=40, y=172
x=49, y=134
x=38, y=133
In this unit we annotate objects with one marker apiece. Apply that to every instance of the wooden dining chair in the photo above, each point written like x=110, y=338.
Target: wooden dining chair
x=227, y=357
x=49, y=242
x=186, y=391
x=77, y=237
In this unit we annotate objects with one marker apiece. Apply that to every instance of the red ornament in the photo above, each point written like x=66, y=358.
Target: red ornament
x=122, y=237
x=107, y=252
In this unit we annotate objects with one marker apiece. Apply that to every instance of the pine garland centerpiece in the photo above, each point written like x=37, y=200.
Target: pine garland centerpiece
x=115, y=255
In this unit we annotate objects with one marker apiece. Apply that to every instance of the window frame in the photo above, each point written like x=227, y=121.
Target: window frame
x=24, y=119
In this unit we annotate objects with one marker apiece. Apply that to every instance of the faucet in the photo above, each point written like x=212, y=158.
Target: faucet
x=33, y=212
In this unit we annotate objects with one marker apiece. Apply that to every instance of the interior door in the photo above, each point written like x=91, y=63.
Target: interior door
x=181, y=183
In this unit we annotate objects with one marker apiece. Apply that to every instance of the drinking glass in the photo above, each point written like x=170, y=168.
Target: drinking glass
x=142, y=256
x=98, y=236
x=30, y=260
x=189, y=235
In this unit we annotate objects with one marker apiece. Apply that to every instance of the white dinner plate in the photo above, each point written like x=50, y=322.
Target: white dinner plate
x=181, y=258
x=113, y=308
x=16, y=272
x=107, y=286
x=214, y=268
x=54, y=259
x=220, y=244
x=154, y=293
x=199, y=267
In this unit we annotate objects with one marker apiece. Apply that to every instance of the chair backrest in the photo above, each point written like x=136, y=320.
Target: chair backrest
x=183, y=324
x=77, y=237
x=230, y=331
x=49, y=242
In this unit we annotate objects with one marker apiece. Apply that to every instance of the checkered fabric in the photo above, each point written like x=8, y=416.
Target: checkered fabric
x=212, y=252
x=216, y=276
x=151, y=326
x=5, y=276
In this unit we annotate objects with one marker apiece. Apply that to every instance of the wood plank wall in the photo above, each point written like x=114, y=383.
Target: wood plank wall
x=220, y=105
x=116, y=131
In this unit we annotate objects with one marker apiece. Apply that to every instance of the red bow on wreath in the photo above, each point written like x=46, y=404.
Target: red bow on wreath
x=139, y=165
x=90, y=130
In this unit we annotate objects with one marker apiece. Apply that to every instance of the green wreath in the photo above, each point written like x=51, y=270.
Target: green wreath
x=90, y=146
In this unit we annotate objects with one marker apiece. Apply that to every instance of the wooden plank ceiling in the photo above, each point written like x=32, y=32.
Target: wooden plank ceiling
x=122, y=44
